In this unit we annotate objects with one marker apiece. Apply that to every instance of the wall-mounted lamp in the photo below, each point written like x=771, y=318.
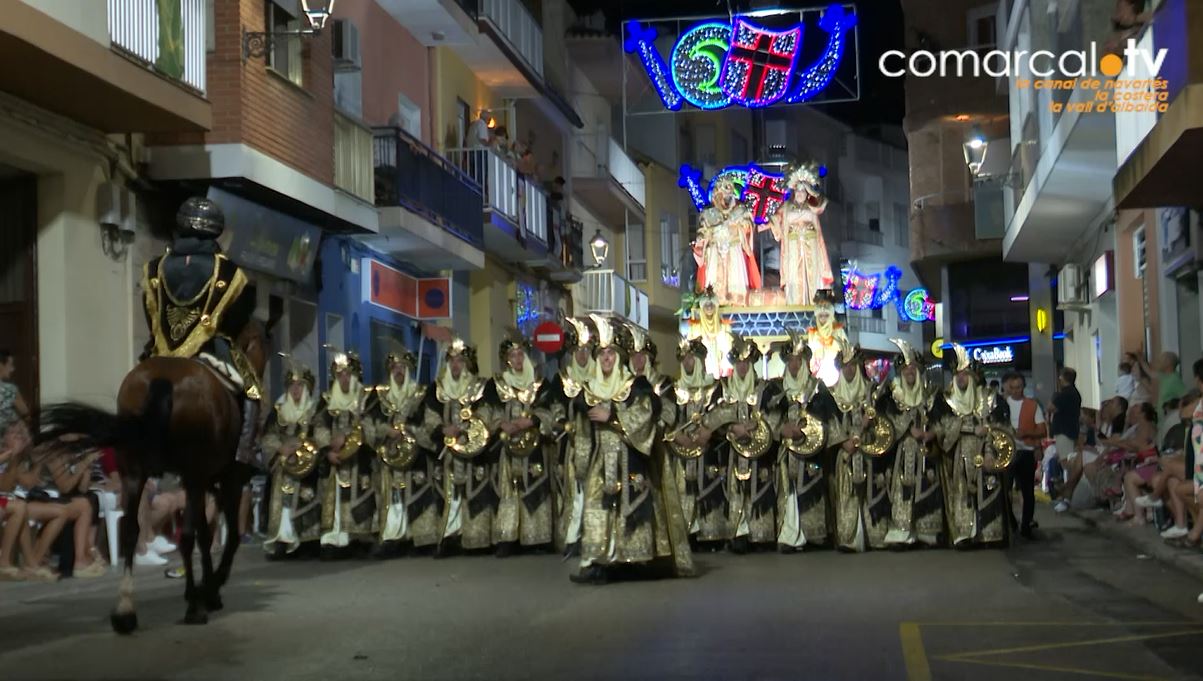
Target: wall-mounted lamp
x=1041, y=320
x=259, y=43
x=975, y=148
x=600, y=248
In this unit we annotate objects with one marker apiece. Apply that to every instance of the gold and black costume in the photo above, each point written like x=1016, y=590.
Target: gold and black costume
x=916, y=500
x=408, y=495
x=805, y=404
x=470, y=457
x=860, y=479
x=975, y=431
x=696, y=392
x=626, y=521
x=748, y=402
x=291, y=440
x=571, y=462
x=525, y=511
x=348, y=492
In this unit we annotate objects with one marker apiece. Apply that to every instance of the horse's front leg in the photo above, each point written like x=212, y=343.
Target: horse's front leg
x=231, y=502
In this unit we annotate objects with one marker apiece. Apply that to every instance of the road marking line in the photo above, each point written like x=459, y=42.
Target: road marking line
x=915, y=657
x=1050, y=668
x=1056, y=624
x=1066, y=644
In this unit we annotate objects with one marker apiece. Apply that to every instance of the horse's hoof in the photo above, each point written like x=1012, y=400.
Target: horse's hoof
x=213, y=603
x=196, y=617
x=124, y=623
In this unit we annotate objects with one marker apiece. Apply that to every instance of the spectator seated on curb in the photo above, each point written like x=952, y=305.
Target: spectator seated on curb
x=1110, y=421
x=58, y=477
x=1185, y=495
x=1138, y=457
x=1173, y=468
x=46, y=519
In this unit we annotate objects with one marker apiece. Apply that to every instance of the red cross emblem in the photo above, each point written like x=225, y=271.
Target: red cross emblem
x=764, y=194
x=760, y=63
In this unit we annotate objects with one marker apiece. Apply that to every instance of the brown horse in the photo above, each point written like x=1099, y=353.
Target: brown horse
x=173, y=415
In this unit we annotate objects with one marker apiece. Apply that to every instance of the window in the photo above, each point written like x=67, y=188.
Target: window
x=285, y=54
x=873, y=215
x=636, y=253
x=670, y=250
x=981, y=31
x=739, y=148
x=706, y=147
x=902, y=226
x=879, y=312
x=1138, y=252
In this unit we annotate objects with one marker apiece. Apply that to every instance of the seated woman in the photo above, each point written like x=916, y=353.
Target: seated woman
x=59, y=478
x=52, y=517
x=12, y=515
x=1173, y=484
x=1111, y=420
x=1139, y=441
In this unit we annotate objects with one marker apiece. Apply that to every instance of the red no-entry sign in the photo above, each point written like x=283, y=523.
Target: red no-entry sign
x=549, y=337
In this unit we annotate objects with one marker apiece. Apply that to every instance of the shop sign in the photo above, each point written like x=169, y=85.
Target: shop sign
x=267, y=240
x=998, y=354
x=392, y=289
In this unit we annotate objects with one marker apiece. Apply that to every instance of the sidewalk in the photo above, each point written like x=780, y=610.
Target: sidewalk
x=1144, y=541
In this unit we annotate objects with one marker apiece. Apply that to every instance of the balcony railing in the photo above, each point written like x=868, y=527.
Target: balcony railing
x=570, y=243
x=608, y=292
x=866, y=324
x=600, y=155
x=353, y=168
x=515, y=23
x=135, y=28
x=507, y=192
x=864, y=235
x=414, y=176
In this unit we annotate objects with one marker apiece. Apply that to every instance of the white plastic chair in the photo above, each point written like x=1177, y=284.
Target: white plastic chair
x=111, y=513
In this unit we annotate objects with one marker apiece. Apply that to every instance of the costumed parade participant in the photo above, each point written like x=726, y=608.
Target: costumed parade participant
x=625, y=519
x=291, y=441
x=571, y=461
x=689, y=444
x=745, y=417
x=976, y=433
x=461, y=410
x=825, y=339
x=802, y=515
x=707, y=325
x=410, y=501
x=860, y=438
x=525, y=509
x=805, y=267
x=725, y=246
x=916, y=502
x=346, y=468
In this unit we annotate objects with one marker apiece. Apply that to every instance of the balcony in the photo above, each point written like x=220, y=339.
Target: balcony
x=353, y=166
x=136, y=30
x=106, y=65
x=606, y=292
x=513, y=26
x=861, y=234
x=515, y=207
x=606, y=180
x=430, y=210
x=563, y=260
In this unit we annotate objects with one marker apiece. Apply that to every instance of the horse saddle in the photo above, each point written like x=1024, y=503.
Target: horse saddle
x=226, y=372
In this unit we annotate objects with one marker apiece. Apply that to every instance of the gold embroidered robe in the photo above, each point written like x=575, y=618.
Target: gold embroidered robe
x=410, y=500
x=802, y=510
x=525, y=511
x=294, y=509
x=977, y=501
x=916, y=499
x=859, y=484
x=750, y=484
x=348, y=495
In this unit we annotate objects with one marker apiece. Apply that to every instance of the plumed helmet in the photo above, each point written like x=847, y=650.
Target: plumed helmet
x=579, y=333
x=201, y=218
x=610, y=334
x=513, y=339
x=743, y=349
x=640, y=341
x=398, y=354
x=849, y=354
x=909, y=356
x=796, y=345
x=341, y=361
x=295, y=372
x=459, y=348
x=694, y=347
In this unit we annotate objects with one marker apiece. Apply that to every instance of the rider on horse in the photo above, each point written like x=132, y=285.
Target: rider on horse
x=197, y=302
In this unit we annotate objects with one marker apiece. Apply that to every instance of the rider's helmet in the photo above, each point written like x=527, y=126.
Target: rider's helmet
x=201, y=218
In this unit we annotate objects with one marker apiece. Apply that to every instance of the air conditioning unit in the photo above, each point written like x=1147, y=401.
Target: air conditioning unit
x=116, y=207
x=1071, y=288
x=346, y=46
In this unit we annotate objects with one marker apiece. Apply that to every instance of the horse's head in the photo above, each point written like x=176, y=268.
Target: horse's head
x=253, y=342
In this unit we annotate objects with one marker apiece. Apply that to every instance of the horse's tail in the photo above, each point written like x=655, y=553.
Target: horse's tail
x=95, y=428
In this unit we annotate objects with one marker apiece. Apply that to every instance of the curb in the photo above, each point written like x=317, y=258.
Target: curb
x=1146, y=542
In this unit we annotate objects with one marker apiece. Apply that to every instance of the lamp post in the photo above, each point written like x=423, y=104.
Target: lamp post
x=259, y=43
x=600, y=248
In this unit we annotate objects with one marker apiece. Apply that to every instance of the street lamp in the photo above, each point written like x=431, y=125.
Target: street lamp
x=975, y=150
x=600, y=248
x=259, y=43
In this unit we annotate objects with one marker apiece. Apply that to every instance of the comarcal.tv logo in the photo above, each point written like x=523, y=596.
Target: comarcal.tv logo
x=1044, y=69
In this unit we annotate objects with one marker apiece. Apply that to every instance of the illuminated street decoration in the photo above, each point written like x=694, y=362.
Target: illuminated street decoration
x=759, y=63
x=918, y=306
x=873, y=291
x=716, y=64
x=761, y=191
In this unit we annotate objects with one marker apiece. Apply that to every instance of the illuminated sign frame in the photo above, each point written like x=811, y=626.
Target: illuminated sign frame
x=714, y=64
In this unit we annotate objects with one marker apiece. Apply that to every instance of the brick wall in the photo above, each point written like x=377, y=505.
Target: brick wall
x=254, y=105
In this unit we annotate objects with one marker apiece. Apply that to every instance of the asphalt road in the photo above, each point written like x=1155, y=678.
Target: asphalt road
x=1074, y=605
